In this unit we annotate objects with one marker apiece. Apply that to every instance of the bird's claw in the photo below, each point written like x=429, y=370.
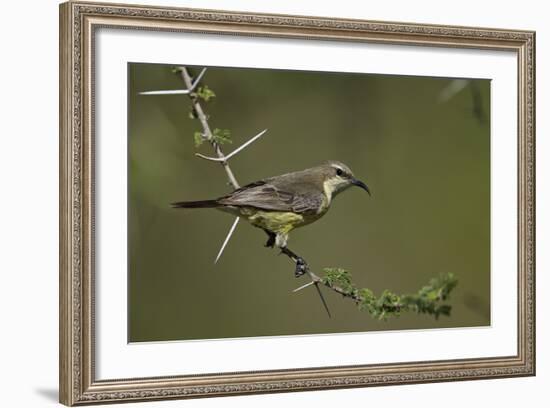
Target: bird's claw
x=301, y=267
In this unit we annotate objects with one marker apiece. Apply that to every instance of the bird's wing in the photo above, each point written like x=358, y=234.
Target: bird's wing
x=268, y=196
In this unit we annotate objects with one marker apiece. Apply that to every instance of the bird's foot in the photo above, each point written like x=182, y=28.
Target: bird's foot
x=271, y=240
x=270, y=243
x=301, y=267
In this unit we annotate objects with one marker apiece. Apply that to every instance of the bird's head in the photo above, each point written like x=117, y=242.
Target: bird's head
x=337, y=177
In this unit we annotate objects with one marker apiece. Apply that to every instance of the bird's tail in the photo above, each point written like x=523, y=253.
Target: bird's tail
x=196, y=204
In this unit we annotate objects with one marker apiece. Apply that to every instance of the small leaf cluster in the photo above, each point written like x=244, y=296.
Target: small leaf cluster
x=205, y=93
x=221, y=136
x=426, y=301
x=198, y=138
x=427, y=298
x=341, y=278
x=387, y=305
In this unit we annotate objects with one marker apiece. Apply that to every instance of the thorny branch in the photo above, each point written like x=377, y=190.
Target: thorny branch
x=426, y=300
x=207, y=133
x=208, y=136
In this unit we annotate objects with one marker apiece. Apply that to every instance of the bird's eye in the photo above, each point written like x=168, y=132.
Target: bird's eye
x=339, y=172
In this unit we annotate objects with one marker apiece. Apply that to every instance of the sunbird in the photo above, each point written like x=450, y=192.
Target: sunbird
x=282, y=203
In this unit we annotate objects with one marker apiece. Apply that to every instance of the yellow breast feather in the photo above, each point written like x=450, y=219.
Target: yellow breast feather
x=275, y=221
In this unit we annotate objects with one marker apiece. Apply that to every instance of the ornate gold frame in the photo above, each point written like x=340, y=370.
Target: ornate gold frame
x=78, y=22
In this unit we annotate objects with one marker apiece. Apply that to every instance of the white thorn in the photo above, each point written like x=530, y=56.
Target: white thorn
x=234, y=152
x=197, y=80
x=216, y=159
x=177, y=91
x=231, y=230
x=303, y=286
x=166, y=92
x=238, y=149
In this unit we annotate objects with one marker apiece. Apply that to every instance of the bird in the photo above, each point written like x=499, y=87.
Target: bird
x=283, y=203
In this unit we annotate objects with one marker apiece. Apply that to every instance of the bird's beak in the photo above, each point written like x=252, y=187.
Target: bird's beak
x=359, y=183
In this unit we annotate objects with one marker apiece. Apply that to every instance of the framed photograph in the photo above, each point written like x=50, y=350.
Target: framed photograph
x=256, y=203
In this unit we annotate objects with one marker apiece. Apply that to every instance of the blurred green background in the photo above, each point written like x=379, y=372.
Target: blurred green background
x=421, y=144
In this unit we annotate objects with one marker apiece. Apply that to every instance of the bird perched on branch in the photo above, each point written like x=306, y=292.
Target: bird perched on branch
x=282, y=203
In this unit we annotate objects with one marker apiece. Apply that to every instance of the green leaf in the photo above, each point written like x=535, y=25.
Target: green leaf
x=199, y=139
x=339, y=277
x=205, y=93
x=221, y=136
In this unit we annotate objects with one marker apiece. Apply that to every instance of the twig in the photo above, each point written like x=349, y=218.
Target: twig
x=208, y=136
x=207, y=133
x=315, y=279
x=426, y=301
